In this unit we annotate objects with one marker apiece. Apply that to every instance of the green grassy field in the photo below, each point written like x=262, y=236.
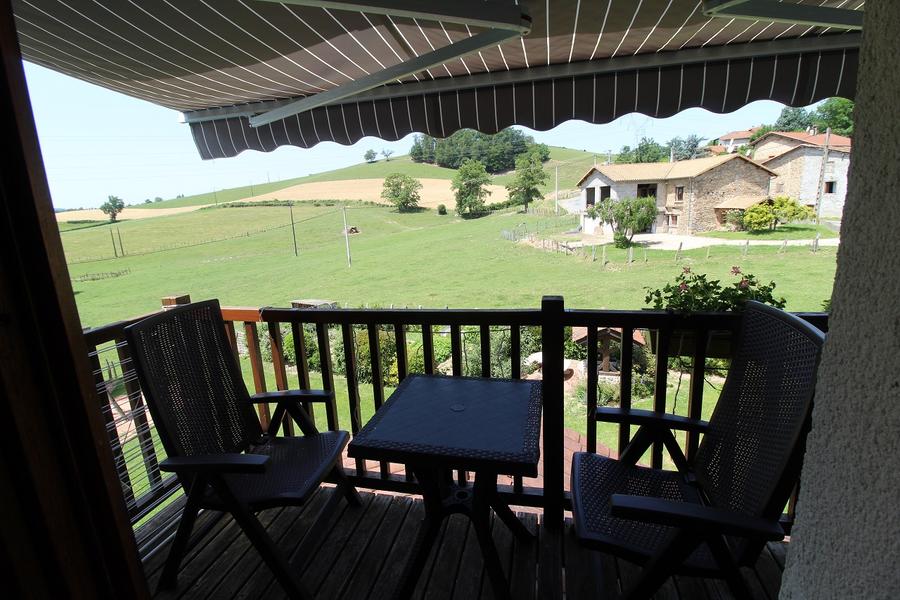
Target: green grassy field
x=400, y=259
x=796, y=231
x=573, y=164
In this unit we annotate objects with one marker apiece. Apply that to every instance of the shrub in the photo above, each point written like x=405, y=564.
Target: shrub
x=441, y=209
x=759, y=217
x=735, y=218
x=628, y=216
x=620, y=240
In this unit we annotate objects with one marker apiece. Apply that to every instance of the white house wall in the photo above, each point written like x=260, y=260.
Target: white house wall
x=617, y=191
x=798, y=177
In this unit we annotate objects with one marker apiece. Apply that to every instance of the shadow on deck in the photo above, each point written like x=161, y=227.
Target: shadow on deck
x=366, y=548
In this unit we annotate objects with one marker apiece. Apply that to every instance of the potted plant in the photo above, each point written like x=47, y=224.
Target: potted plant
x=695, y=292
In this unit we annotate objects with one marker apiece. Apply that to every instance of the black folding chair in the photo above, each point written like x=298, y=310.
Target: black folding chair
x=215, y=444
x=716, y=513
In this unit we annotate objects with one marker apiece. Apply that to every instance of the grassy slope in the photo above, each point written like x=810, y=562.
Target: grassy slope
x=569, y=174
x=399, y=259
x=783, y=232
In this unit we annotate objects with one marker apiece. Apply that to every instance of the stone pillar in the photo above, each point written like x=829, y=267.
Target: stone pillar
x=847, y=535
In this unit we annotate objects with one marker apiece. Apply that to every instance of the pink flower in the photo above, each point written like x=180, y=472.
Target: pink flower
x=744, y=283
x=735, y=270
x=686, y=270
x=683, y=287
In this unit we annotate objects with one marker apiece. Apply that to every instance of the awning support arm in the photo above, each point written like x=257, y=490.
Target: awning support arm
x=785, y=12
x=506, y=21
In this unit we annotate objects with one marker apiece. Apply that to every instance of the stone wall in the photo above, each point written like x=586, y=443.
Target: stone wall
x=798, y=177
x=846, y=540
x=773, y=145
x=734, y=179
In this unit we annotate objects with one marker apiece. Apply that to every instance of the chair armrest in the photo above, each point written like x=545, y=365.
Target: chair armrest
x=697, y=517
x=216, y=463
x=649, y=417
x=292, y=396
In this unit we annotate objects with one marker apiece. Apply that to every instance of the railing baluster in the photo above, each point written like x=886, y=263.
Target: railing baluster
x=695, y=406
x=485, y=339
x=402, y=364
x=302, y=364
x=112, y=432
x=138, y=413
x=276, y=343
x=552, y=314
x=515, y=351
x=377, y=383
x=456, y=349
x=592, y=389
x=352, y=387
x=428, y=348
x=625, y=373
x=660, y=388
x=232, y=339
x=327, y=373
x=256, y=365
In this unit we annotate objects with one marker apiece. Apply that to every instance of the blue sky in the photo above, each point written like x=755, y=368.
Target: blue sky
x=96, y=142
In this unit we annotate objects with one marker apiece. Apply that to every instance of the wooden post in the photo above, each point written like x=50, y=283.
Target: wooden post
x=678, y=252
x=173, y=301
x=346, y=236
x=746, y=247
x=783, y=248
x=630, y=255
x=113, y=240
x=293, y=230
x=603, y=256
x=593, y=253
x=815, y=244
x=552, y=310
x=821, y=188
x=121, y=248
x=707, y=252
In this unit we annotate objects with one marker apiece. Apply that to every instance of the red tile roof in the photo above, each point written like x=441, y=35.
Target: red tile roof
x=837, y=141
x=739, y=134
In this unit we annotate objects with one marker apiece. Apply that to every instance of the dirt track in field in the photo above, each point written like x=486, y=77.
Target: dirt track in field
x=95, y=214
x=433, y=192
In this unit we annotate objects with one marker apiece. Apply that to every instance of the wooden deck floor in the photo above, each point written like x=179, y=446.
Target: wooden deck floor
x=366, y=548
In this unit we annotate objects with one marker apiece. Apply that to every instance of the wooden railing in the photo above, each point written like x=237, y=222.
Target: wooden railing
x=254, y=332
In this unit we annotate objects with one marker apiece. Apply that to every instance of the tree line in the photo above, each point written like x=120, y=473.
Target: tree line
x=496, y=152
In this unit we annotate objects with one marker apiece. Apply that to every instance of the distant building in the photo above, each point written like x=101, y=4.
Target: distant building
x=730, y=142
x=796, y=157
x=691, y=195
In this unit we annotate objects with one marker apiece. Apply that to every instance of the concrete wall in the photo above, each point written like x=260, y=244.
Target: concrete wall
x=616, y=192
x=846, y=541
x=772, y=146
x=734, y=179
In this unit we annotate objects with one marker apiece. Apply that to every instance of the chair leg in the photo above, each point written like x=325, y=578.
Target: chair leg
x=344, y=486
x=729, y=568
x=661, y=566
x=169, y=578
x=263, y=543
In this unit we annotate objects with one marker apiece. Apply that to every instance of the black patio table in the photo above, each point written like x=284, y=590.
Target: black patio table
x=435, y=424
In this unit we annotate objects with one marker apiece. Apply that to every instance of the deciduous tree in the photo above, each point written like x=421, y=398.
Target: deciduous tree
x=469, y=187
x=530, y=175
x=402, y=191
x=628, y=216
x=370, y=156
x=112, y=207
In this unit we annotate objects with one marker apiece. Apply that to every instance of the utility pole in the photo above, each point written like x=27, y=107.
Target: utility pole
x=609, y=157
x=346, y=236
x=294, y=231
x=821, y=188
x=557, y=189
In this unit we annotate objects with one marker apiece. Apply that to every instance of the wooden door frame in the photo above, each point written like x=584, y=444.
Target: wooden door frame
x=65, y=531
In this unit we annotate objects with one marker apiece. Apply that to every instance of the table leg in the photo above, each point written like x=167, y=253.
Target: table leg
x=485, y=490
x=430, y=483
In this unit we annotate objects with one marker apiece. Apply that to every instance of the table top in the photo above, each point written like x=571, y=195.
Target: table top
x=468, y=423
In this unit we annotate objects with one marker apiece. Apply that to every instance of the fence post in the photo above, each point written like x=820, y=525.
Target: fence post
x=552, y=308
x=678, y=252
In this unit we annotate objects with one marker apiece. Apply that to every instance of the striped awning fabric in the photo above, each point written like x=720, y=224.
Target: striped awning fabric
x=222, y=61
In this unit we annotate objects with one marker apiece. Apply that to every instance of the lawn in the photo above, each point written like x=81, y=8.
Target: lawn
x=796, y=231
x=398, y=259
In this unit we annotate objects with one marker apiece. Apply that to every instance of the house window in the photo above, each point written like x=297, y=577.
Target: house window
x=591, y=194
x=646, y=190
x=779, y=187
x=673, y=220
x=679, y=193
x=830, y=187
x=604, y=192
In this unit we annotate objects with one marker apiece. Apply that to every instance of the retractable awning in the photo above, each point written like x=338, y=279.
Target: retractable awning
x=258, y=74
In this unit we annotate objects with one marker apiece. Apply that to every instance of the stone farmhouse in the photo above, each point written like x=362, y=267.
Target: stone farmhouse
x=691, y=195
x=796, y=157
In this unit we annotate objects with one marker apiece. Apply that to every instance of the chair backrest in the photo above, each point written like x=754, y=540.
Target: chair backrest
x=192, y=382
x=751, y=455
